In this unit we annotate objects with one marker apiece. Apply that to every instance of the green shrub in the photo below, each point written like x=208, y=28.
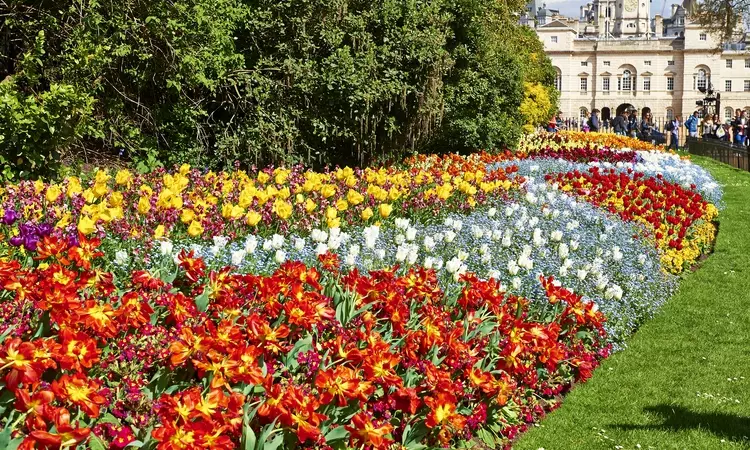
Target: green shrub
x=269, y=81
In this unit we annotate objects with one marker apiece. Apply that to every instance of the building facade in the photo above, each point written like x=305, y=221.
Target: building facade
x=615, y=56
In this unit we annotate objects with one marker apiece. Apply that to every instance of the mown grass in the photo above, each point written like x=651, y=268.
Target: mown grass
x=684, y=381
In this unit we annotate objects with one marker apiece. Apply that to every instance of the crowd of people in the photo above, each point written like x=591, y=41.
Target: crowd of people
x=736, y=131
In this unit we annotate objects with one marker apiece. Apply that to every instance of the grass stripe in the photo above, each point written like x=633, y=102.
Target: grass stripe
x=684, y=381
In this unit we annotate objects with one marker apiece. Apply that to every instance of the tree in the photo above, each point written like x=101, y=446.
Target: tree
x=724, y=19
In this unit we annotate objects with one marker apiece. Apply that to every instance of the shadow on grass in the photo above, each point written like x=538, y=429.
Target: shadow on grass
x=677, y=418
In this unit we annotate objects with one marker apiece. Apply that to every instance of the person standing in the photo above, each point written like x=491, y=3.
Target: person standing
x=692, y=125
x=707, y=127
x=632, y=124
x=674, y=130
x=647, y=127
x=594, y=123
x=620, y=124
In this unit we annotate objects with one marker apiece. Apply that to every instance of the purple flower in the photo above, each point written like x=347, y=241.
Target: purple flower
x=16, y=241
x=10, y=217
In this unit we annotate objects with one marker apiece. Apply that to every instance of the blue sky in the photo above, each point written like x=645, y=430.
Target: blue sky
x=570, y=8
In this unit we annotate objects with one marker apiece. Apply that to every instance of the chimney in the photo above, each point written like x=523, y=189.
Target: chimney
x=581, y=17
x=674, y=9
x=658, y=25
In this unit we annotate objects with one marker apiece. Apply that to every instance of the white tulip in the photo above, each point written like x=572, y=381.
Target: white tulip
x=506, y=239
x=399, y=239
x=429, y=262
x=556, y=235
x=411, y=233
x=462, y=255
x=477, y=232
x=319, y=235
x=449, y=236
x=350, y=260
x=321, y=248
x=277, y=241
x=581, y=274
x=491, y=212
x=121, y=257
x=280, y=256
x=354, y=250
x=251, y=243
x=299, y=243
x=457, y=225
x=267, y=245
x=574, y=245
x=429, y=243
x=513, y=267
x=484, y=249
x=641, y=259
x=380, y=253
x=453, y=265
x=516, y=283
x=563, y=251
x=238, y=256
x=220, y=241
x=166, y=247
x=402, y=223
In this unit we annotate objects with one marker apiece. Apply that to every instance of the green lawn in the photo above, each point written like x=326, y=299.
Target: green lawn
x=684, y=381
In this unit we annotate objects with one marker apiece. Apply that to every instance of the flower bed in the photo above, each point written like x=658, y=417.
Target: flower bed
x=451, y=300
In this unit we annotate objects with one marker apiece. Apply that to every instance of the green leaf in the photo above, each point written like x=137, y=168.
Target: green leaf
x=95, y=443
x=274, y=444
x=336, y=434
x=201, y=301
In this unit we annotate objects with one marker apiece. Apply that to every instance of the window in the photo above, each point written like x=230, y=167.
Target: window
x=647, y=63
x=584, y=63
x=728, y=114
x=627, y=81
x=606, y=63
x=747, y=86
x=728, y=85
x=605, y=84
x=670, y=83
x=582, y=113
x=646, y=83
x=670, y=114
x=554, y=39
x=670, y=63
x=584, y=84
x=558, y=80
x=702, y=36
x=729, y=64
x=747, y=64
x=701, y=80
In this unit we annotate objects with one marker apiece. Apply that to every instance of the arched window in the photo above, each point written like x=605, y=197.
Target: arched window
x=558, y=79
x=701, y=80
x=728, y=114
x=670, y=114
x=627, y=80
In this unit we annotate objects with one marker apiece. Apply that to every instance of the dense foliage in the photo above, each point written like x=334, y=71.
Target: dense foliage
x=214, y=81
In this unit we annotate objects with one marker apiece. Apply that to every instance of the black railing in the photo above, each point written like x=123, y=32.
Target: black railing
x=733, y=155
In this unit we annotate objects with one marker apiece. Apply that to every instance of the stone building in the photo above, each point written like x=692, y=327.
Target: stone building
x=617, y=56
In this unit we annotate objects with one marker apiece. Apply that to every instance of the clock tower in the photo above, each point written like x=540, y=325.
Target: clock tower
x=632, y=18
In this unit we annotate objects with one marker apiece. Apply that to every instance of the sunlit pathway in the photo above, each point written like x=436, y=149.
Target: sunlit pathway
x=684, y=381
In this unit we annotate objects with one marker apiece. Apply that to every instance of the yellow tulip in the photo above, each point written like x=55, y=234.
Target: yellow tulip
x=195, y=229
x=100, y=190
x=115, y=199
x=53, y=193
x=310, y=205
x=385, y=210
x=342, y=205
x=38, y=186
x=282, y=208
x=354, y=197
x=159, y=232
x=187, y=216
x=64, y=221
x=184, y=169
x=299, y=198
x=123, y=177
x=144, y=205
x=366, y=213
x=263, y=177
x=327, y=190
x=331, y=213
x=74, y=187
x=86, y=225
x=281, y=176
x=334, y=223
x=252, y=218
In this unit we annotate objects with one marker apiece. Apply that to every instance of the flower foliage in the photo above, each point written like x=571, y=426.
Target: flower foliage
x=315, y=354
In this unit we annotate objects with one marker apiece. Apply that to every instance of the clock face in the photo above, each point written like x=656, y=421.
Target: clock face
x=630, y=5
